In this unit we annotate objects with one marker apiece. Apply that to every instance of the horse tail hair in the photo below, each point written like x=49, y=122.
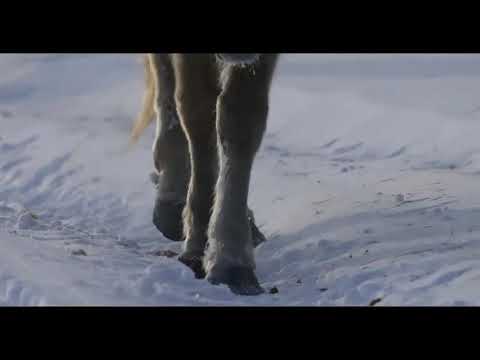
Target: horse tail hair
x=147, y=114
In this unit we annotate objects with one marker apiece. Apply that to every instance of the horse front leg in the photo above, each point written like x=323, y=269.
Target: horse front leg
x=196, y=94
x=242, y=110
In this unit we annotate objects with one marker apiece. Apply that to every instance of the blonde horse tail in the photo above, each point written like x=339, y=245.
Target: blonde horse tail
x=147, y=114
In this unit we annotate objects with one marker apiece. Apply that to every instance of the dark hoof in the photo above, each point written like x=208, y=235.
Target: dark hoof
x=194, y=263
x=167, y=213
x=240, y=280
x=167, y=217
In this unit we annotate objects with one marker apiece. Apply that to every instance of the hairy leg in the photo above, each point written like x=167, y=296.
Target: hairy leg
x=195, y=95
x=170, y=152
x=242, y=110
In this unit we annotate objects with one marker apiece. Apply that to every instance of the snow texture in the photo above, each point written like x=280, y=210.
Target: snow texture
x=366, y=185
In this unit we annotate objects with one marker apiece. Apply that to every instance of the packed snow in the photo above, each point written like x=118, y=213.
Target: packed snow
x=366, y=185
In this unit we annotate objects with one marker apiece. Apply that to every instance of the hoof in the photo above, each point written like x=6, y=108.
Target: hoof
x=194, y=263
x=241, y=280
x=167, y=217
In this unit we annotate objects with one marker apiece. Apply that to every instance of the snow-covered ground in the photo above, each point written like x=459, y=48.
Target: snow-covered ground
x=367, y=185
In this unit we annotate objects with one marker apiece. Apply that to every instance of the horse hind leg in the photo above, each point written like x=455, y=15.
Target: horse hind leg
x=170, y=153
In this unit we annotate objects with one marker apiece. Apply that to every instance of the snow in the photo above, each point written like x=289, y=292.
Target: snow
x=366, y=185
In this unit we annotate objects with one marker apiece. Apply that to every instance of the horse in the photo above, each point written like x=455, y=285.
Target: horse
x=211, y=113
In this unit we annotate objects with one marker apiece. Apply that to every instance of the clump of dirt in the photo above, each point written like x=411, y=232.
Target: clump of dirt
x=274, y=290
x=164, y=253
x=375, y=301
x=79, y=252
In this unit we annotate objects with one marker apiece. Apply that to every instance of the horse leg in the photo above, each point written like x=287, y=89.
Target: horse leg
x=195, y=95
x=170, y=153
x=242, y=110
